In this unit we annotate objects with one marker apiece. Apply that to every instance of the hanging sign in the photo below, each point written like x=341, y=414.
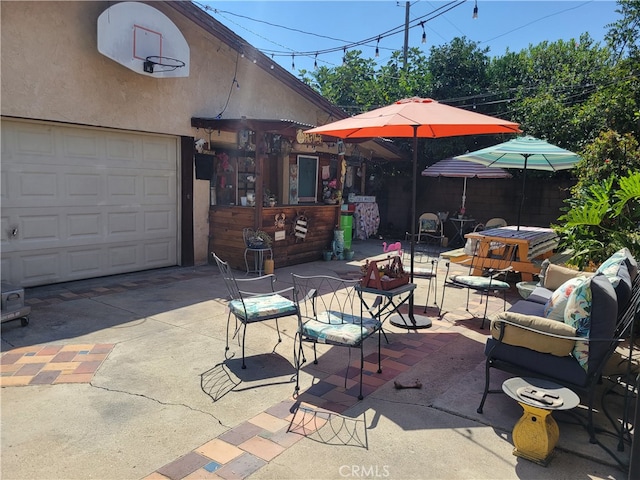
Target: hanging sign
x=308, y=138
x=300, y=225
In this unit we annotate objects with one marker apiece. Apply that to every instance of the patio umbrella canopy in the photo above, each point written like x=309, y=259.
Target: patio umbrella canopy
x=525, y=153
x=454, y=168
x=416, y=118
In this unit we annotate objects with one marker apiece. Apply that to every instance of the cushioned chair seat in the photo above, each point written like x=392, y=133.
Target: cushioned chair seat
x=565, y=369
x=480, y=282
x=337, y=328
x=259, y=307
x=527, y=307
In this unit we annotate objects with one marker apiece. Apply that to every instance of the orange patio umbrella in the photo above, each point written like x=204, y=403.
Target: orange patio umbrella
x=416, y=118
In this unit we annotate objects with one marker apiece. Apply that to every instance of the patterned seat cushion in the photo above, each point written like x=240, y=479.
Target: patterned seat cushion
x=260, y=307
x=478, y=282
x=336, y=328
x=428, y=225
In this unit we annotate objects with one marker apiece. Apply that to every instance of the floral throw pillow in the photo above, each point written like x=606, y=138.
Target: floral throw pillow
x=623, y=256
x=612, y=264
x=577, y=314
x=555, y=306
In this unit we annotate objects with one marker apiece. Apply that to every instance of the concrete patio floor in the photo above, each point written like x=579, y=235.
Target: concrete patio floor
x=126, y=378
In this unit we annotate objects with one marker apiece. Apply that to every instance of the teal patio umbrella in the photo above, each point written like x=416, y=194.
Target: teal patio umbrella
x=525, y=153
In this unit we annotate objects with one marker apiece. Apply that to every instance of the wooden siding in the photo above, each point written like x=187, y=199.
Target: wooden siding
x=226, y=224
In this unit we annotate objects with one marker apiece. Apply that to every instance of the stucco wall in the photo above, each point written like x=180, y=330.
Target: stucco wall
x=52, y=70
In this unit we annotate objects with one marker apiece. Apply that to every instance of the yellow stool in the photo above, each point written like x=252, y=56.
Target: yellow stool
x=536, y=433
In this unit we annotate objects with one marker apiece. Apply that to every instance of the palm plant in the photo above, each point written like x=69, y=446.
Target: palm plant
x=602, y=219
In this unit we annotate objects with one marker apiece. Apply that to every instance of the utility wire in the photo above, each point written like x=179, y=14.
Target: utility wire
x=346, y=45
x=535, y=21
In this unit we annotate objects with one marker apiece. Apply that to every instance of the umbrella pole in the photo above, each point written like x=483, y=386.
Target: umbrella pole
x=464, y=192
x=524, y=182
x=413, y=208
x=420, y=321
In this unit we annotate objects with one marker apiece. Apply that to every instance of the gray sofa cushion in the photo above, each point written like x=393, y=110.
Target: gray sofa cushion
x=563, y=369
x=527, y=307
x=540, y=295
x=604, y=313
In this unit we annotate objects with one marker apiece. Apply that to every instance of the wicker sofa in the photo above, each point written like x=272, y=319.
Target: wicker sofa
x=568, y=328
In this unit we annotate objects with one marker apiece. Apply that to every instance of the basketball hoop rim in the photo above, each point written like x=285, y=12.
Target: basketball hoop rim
x=177, y=63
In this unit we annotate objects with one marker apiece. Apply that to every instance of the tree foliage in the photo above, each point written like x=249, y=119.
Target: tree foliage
x=578, y=94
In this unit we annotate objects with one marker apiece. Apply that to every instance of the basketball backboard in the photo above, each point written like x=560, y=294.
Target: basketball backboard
x=144, y=40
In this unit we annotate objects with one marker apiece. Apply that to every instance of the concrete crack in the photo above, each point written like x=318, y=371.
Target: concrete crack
x=114, y=390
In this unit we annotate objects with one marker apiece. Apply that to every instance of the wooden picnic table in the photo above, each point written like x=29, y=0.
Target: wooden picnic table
x=532, y=243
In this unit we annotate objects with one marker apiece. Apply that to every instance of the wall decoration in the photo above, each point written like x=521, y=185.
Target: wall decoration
x=293, y=184
x=300, y=226
x=280, y=221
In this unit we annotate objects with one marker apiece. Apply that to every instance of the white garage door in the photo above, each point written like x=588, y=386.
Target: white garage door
x=81, y=202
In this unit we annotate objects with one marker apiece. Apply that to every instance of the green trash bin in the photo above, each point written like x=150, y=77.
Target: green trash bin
x=346, y=224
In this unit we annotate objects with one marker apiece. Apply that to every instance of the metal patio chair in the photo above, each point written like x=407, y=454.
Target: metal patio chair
x=484, y=274
x=430, y=227
x=331, y=312
x=425, y=265
x=253, y=300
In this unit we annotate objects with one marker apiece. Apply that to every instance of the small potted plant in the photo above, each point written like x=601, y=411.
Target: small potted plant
x=269, y=199
x=258, y=239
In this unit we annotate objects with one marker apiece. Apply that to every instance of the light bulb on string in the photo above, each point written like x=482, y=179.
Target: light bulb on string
x=315, y=61
x=293, y=62
x=377, y=47
x=344, y=55
x=424, y=34
x=475, y=10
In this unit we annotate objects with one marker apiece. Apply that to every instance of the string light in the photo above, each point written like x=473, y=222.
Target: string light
x=315, y=62
x=437, y=12
x=475, y=10
x=293, y=61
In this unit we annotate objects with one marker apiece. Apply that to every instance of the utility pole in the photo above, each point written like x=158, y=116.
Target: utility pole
x=406, y=34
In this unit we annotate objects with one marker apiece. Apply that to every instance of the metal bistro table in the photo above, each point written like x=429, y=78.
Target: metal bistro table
x=388, y=303
x=459, y=224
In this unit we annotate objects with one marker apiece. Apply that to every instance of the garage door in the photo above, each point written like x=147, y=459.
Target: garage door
x=81, y=202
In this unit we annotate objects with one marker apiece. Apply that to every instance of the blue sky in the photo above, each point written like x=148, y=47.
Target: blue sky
x=513, y=24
